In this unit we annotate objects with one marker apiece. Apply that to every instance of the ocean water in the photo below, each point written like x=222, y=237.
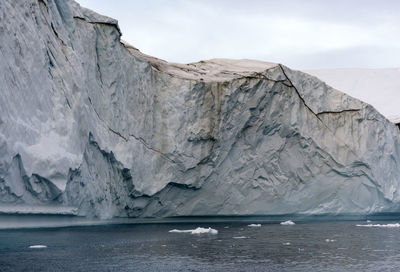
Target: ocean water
x=305, y=246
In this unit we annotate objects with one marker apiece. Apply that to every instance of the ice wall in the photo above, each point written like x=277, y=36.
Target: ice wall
x=121, y=133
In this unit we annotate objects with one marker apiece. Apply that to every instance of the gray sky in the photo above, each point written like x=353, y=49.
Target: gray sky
x=302, y=34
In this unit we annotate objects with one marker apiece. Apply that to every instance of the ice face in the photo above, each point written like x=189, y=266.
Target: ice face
x=91, y=123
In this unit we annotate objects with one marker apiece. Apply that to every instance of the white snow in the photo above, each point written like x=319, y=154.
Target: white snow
x=38, y=246
x=198, y=230
x=207, y=70
x=395, y=225
x=288, y=223
x=254, y=225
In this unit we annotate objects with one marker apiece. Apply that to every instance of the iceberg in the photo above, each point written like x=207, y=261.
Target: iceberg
x=198, y=230
x=288, y=223
x=90, y=123
x=38, y=246
x=393, y=225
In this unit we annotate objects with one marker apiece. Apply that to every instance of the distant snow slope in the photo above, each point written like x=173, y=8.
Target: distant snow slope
x=378, y=87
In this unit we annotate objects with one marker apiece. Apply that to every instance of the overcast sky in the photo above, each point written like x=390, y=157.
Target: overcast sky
x=303, y=34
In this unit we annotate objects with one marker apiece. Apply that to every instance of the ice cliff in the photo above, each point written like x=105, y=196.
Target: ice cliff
x=89, y=122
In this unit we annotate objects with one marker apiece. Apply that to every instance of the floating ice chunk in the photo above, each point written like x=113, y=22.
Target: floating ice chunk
x=368, y=221
x=395, y=225
x=240, y=237
x=288, y=223
x=196, y=231
x=330, y=240
x=180, y=231
x=204, y=230
x=38, y=246
x=254, y=225
x=286, y=244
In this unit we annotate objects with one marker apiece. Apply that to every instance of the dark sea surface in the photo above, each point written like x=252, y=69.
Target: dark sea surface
x=306, y=246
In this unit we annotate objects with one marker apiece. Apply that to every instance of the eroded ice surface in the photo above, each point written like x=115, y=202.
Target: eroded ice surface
x=89, y=122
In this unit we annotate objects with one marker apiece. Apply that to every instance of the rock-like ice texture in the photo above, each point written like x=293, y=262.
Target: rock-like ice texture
x=254, y=225
x=89, y=122
x=198, y=230
x=288, y=223
x=393, y=225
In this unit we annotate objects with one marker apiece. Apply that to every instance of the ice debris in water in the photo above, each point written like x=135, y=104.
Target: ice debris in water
x=38, y=246
x=254, y=225
x=286, y=244
x=330, y=240
x=287, y=223
x=395, y=225
x=196, y=231
x=240, y=237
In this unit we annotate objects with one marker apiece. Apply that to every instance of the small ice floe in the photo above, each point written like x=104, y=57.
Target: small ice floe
x=38, y=246
x=254, y=225
x=288, y=223
x=368, y=221
x=286, y=244
x=330, y=240
x=395, y=225
x=240, y=237
x=196, y=231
